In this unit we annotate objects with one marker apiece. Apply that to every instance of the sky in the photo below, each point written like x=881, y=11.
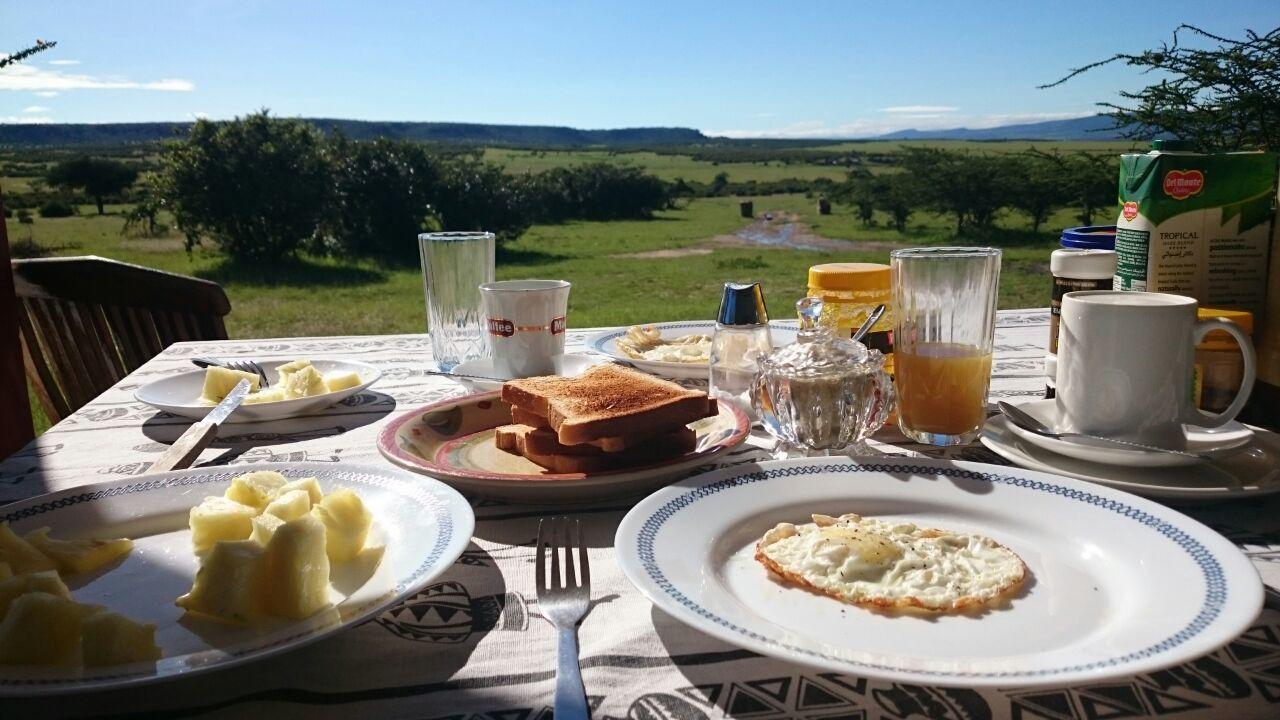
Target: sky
x=740, y=69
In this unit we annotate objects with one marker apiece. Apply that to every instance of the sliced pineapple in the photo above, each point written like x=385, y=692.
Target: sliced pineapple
x=264, y=526
x=78, y=556
x=20, y=555
x=292, y=367
x=341, y=380
x=14, y=587
x=295, y=577
x=274, y=393
x=255, y=489
x=346, y=523
x=218, y=518
x=109, y=638
x=290, y=505
x=303, y=382
x=41, y=629
x=219, y=381
x=310, y=485
x=227, y=583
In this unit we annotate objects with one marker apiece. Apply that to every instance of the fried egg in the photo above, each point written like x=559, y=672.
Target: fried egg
x=866, y=561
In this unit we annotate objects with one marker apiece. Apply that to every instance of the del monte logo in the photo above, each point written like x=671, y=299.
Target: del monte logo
x=1182, y=184
x=1130, y=210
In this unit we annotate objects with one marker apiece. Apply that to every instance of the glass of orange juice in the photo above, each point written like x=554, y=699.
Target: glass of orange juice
x=946, y=318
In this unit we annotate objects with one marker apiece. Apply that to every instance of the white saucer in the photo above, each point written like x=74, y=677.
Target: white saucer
x=1208, y=441
x=1249, y=471
x=567, y=365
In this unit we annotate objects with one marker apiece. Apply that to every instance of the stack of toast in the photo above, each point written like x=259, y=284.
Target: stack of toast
x=609, y=417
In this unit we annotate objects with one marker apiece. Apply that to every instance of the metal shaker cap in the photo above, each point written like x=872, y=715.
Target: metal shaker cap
x=742, y=304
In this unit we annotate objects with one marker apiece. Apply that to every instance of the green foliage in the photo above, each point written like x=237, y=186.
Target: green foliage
x=56, y=209
x=478, y=195
x=1219, y=98
x=597, y=191
x=23, y=54
x=98, y=177
x=1039, y=188
x=255, y=186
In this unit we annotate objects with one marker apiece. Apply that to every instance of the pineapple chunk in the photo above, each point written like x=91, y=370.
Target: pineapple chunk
x=78, y=556
x=20, y=555
x=310, y=485
x=335, y=381
x=289, y=506
x=217, y=518
x=112, y=639
x=346, y=523
x=303, y=383
x=41, y=629
x=227, y=582
x=5, y=571
x=291, y=367
x=269, y=395
x=295, y=577
x=220, y=381
x=255, y=489
x=264, y=526
x=19, y=585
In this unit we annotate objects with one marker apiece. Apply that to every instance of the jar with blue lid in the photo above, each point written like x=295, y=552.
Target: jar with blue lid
x=1086, y=261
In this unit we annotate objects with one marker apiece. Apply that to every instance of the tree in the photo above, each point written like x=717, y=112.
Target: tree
x=971, y=187
x=1041, y=187
x=98, y=177
x=861, y=190
x=1219, y=98
x=1088, y=180
x=897, y=195
x=255, y=186
x=719, y=183
x=478, y=195
x=23, y=54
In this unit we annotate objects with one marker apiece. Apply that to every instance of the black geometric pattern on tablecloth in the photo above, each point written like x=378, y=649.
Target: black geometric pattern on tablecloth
x=446, y=613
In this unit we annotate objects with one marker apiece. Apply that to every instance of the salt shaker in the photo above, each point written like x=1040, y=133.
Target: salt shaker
x=741, y=338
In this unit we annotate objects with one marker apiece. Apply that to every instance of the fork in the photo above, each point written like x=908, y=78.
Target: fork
x=564, y=606
x=248, y=366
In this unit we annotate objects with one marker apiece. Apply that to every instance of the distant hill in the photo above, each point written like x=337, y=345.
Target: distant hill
x=1093, y=127
x=455, y=133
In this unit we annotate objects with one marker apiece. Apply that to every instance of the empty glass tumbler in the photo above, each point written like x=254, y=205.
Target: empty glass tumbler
x=454, y=264
x=946, y=306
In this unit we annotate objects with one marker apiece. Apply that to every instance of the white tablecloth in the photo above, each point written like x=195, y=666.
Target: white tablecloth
x=471, y=645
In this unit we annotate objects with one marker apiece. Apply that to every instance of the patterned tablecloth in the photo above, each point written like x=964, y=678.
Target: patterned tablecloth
x=472, y=645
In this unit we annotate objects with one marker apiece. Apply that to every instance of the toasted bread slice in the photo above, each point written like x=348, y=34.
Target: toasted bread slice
x=607, y=401
x=520, y=416
x=516, y=439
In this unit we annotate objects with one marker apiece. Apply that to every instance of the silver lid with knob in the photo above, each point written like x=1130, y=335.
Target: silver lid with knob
x=742, y=304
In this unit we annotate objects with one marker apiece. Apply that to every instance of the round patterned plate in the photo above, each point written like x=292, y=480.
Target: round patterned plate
x=422, y=525
x=452, y=440
x=1118, y=585
x=606, y=343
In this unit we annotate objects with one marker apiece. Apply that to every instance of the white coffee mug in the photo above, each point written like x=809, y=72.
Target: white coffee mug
x=525, y=320
x=1126, y=366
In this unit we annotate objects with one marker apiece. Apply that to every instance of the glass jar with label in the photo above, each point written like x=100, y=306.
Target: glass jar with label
x=1086, y=261
x=849, y=292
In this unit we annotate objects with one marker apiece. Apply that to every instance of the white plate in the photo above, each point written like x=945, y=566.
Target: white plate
x=424, y=525
x=1209, y=441
x=567, y=365
x=1119, y=585
x=179, y=393
x=1251, y=470
x=783, y=333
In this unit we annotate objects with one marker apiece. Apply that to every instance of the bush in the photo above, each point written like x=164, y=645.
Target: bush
x=255, y=186
x=98, y=177
x=56, y=209
x=477, y=195
x=597, y=191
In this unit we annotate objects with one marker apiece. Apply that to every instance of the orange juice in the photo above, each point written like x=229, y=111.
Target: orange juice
x=942, y=387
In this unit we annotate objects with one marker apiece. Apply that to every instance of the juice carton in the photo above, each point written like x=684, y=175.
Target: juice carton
x=1196, y=224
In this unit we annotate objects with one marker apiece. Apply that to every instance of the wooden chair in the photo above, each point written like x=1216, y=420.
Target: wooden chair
x=88, y=321
x=15, y=420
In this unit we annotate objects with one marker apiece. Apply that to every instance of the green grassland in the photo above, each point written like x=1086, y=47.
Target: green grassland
x=667, y=167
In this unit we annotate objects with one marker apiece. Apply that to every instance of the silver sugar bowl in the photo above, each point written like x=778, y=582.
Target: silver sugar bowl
x=822, y=395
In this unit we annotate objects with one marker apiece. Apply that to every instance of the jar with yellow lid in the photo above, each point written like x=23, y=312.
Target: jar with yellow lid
x=1219, y=364
x=849, y=292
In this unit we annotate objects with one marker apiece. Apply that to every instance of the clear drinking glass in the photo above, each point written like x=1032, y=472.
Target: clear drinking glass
x=454, y=264
x=946, y=304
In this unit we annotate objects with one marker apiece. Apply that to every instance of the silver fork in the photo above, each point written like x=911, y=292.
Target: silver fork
x=564, y=606
x=248, y=366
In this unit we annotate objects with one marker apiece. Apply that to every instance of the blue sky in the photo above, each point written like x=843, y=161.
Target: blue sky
x=816, y=69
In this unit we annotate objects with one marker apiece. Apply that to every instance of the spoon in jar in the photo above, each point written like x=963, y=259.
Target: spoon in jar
x=872, y=319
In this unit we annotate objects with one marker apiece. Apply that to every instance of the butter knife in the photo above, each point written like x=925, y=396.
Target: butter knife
x=184, y=451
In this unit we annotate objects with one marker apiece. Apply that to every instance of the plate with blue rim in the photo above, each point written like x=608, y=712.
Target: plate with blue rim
x=420, y=526
x=1117, y=585
x=782, y=332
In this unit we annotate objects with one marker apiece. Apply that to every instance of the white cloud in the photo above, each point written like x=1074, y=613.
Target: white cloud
x=47, y=93
x=32, y=78
x=64, y=62
x=24, y=119
x=920, y=109
x=35, y=109
x=871, y=127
